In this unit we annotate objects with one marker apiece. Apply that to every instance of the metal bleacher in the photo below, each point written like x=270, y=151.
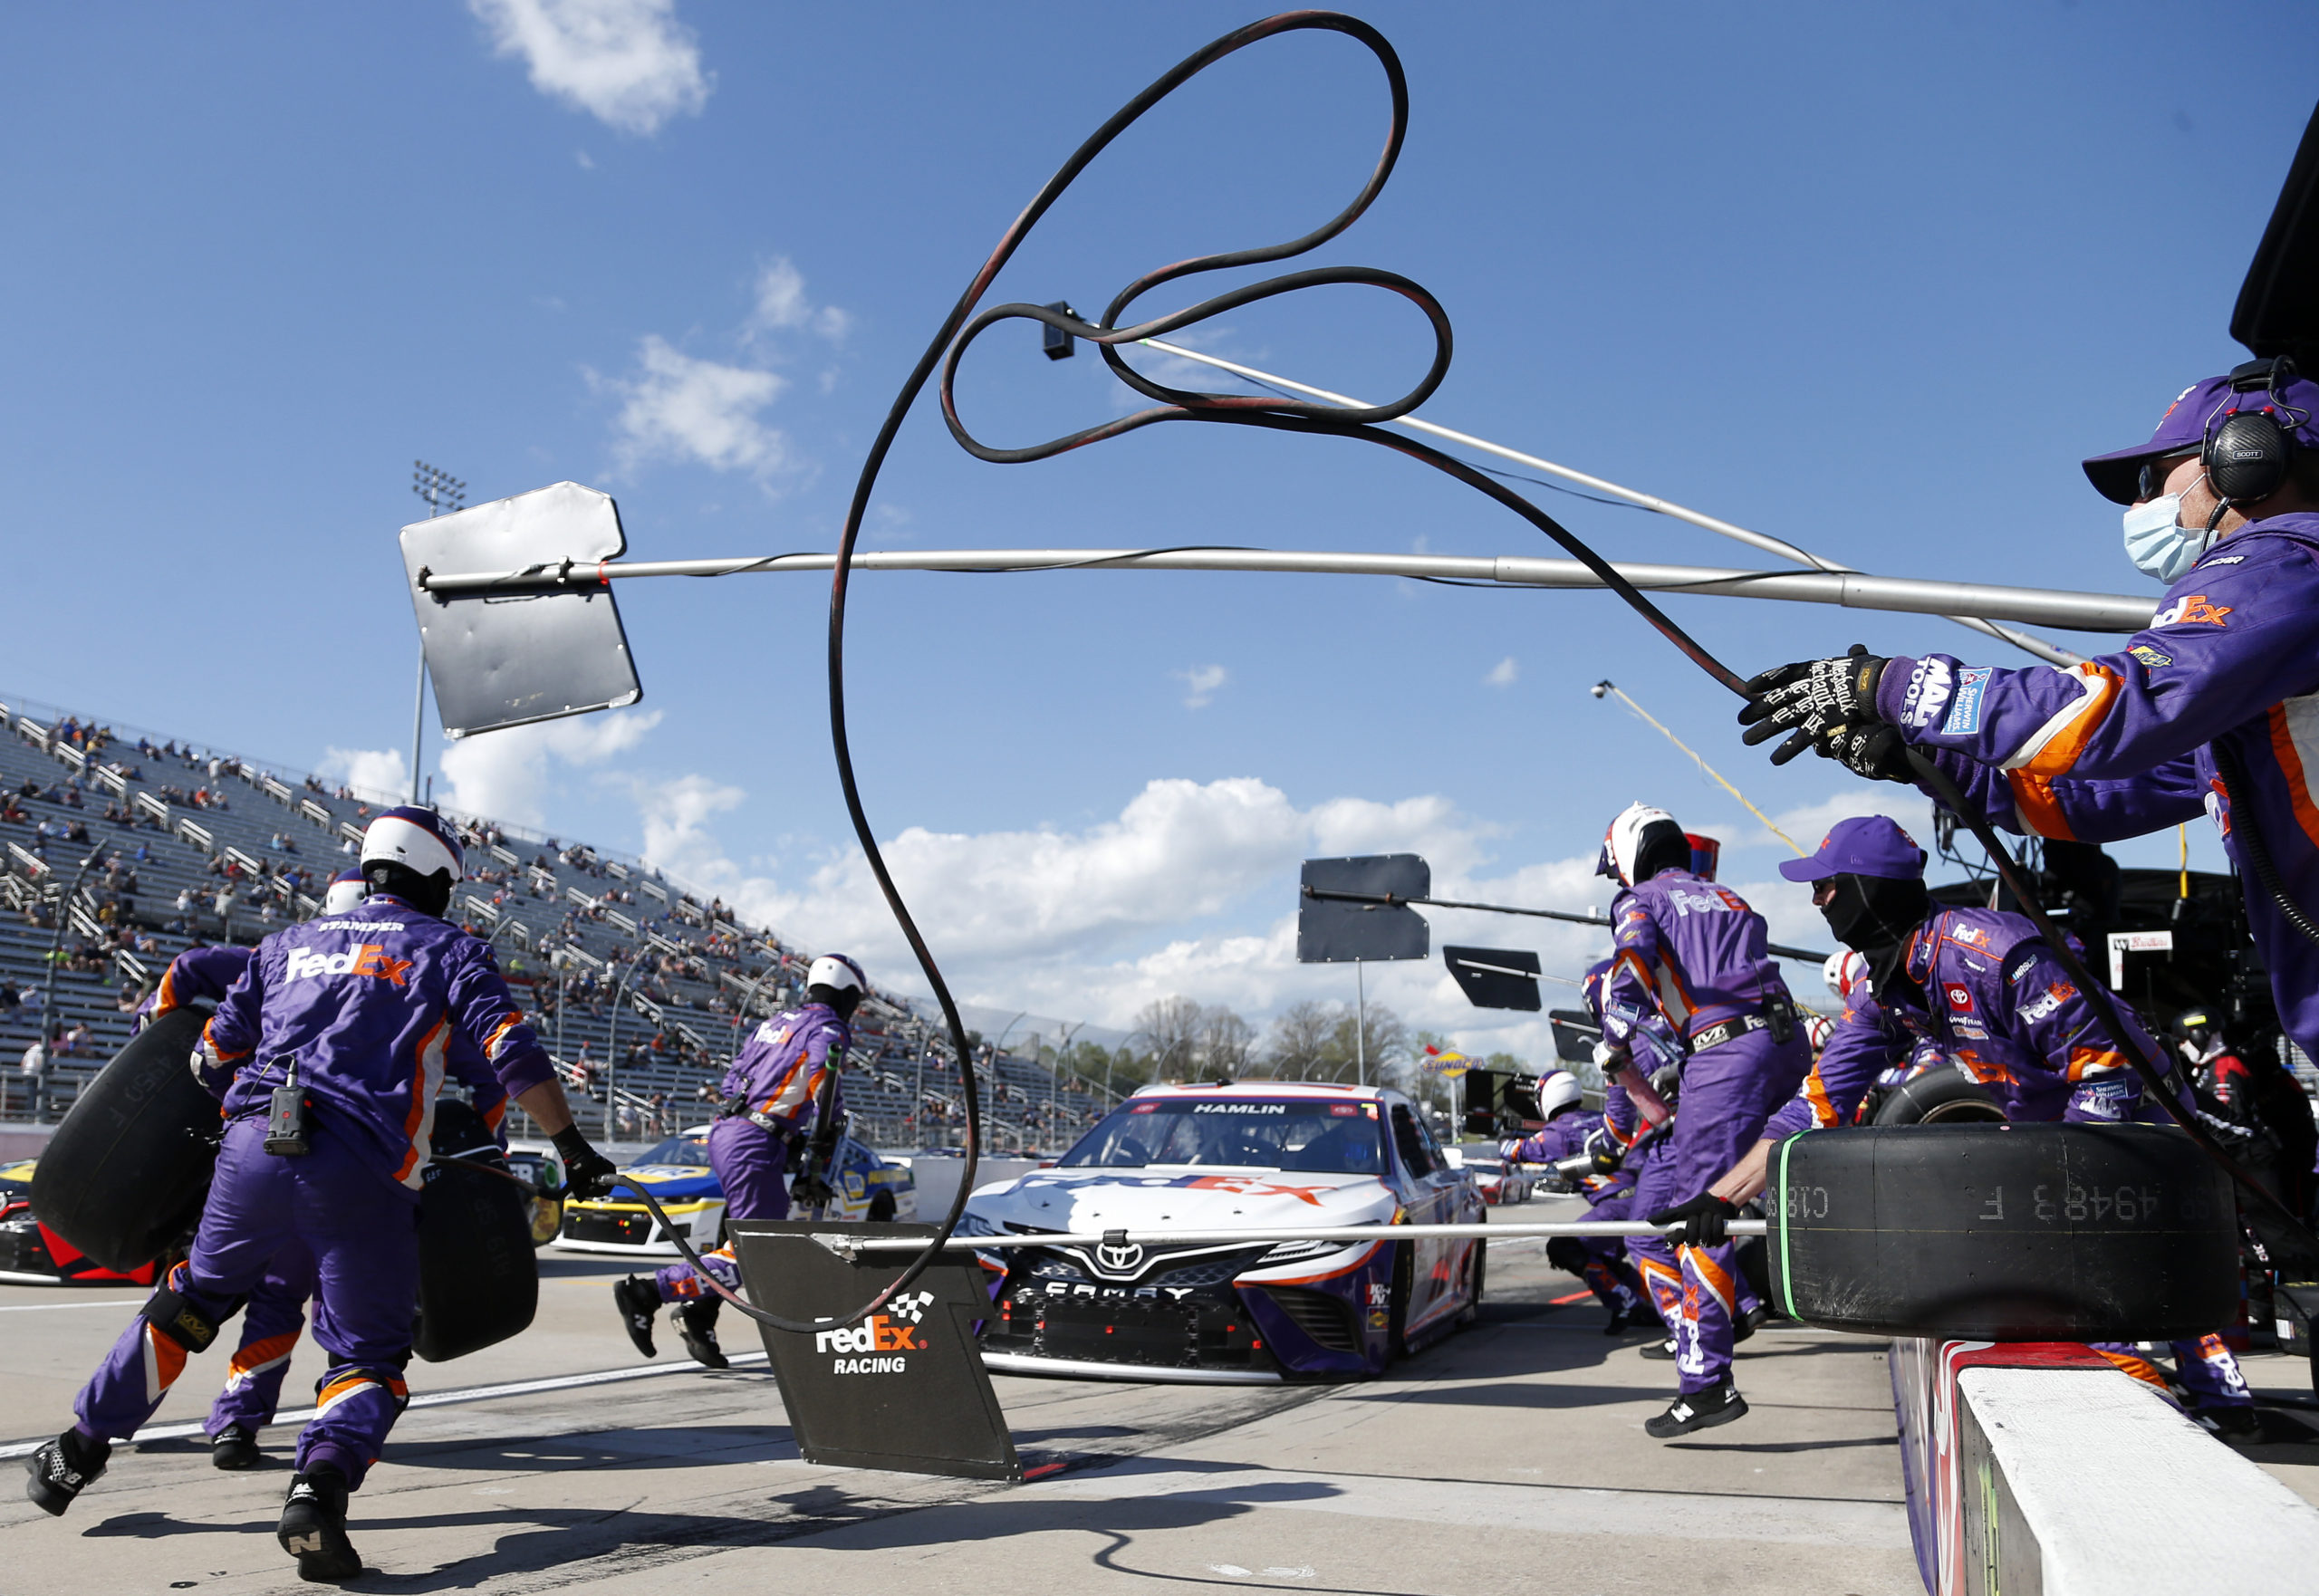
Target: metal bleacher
x=640, y=989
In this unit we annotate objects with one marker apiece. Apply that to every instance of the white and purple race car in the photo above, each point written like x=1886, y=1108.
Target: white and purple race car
x=1261, y=1155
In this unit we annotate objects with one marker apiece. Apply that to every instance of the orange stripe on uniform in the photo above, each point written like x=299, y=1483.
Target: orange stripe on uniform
x=419, y=1103
x=2291, y=766
x=2062, y=751
x=2142, y=1368
x=2039, y=807
x=1711, y=1274
x=223, y=1056
x=1823, y=1113
x=491, y=1043
x=257, y=1354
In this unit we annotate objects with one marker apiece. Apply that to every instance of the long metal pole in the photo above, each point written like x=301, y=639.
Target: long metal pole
x=848, y=1245
x=48, y=989
x=1641, y=501
x=418, y=720
x=2085, y=611
x=1359, y=1025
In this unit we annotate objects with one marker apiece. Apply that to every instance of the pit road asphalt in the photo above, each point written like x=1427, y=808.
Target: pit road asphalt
x=1509, y=1459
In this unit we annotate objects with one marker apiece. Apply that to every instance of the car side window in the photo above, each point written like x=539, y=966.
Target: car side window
x=1408, y=1139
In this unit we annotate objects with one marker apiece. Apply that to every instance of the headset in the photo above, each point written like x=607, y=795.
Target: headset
x=2246, y=454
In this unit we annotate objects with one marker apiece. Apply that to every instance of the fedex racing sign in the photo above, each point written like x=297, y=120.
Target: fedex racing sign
x=884, y=1336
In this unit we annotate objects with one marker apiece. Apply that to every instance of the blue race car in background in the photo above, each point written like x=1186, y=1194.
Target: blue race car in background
x=1255, y=1154
x=686, y=1187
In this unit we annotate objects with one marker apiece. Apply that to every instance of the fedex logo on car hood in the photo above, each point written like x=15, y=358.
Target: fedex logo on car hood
x=366, y=959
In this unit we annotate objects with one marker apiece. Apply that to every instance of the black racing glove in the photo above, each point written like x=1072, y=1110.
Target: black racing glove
x=808, y=1188
x=1705, y=1219
x=1810, y=700
x=587, y=1173
x=1876, y=750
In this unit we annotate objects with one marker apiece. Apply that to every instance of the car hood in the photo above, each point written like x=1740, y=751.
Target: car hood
x=670, y=1183
x=1181, y=1199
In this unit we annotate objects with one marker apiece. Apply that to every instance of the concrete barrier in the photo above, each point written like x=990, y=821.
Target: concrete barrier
x=2042, y=1466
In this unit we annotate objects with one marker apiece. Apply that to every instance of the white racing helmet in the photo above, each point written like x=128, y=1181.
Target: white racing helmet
x=1843, y=971
x=1622, y=845
x=1556, y=1092
x=347, y=888
x=416, y=838
x=838, y=971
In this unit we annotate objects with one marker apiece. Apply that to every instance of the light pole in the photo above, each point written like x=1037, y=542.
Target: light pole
x=445, y=494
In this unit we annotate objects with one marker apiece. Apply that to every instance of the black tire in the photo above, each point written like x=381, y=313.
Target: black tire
x=882, y=1208
x=478, y=1282
x=1477, y=1281
x=2048, y=1232
x=127, y=1172
x=1945, y=1096
x=1397, y=1301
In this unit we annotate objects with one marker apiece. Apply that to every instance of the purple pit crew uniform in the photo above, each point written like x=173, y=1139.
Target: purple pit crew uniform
x=2000, y=1003
x=377, y=1007
x=770, y=1093
x=2123, y=744
x=1694, y=952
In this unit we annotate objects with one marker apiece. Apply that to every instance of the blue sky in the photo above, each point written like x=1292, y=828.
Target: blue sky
x=1871, y=279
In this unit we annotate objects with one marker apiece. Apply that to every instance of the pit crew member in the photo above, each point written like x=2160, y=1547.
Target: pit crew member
x=1571, y=1132
x=337, y=1038
x=782, y=1088
x=1694, y=952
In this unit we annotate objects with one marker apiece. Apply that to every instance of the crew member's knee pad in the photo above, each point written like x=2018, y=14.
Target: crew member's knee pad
x=176, y=1317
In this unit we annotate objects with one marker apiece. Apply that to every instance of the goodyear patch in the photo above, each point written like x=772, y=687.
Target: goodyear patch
x=2150, y=657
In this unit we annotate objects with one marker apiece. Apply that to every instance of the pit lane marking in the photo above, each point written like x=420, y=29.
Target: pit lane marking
x=50, y=1307
x=522, y=1388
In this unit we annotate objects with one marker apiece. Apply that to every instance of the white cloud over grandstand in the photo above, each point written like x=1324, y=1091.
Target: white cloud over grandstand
x=628, y=64
x=678, y=407
x=510, y=775
x=374, y=773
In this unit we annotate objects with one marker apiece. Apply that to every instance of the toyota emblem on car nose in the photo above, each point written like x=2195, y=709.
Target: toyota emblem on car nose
x=1124, y=1258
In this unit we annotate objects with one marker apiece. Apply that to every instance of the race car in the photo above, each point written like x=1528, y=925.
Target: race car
x=1255, y=1155
x=687, y=1189
x=1500, y=1182
x=31, y=1254
x=540, y=1166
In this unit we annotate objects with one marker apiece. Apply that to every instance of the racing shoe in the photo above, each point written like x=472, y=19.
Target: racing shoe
x=1660, y=1351
x=1746, y=1324
x=638, y=1298
x=2235, y=1421
x=62, y=1468
x=235, y=1446
x=313, y=1526
x=1618, y=1324
x=697, y=1322
x=1697, y=1411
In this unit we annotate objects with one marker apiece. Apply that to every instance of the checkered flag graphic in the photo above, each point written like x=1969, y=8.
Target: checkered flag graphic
x=911, y=1307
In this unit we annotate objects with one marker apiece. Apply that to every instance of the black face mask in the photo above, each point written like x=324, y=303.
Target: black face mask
x=1875, y=915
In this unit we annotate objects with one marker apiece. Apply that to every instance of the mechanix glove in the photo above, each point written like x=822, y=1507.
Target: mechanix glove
x=587, y=1173
x=1811, y=698
x=1876, y=750
x=1706, y=1220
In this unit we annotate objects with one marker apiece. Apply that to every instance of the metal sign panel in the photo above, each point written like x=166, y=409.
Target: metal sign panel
x=1331, y=932
x=537, y=653
x=1494, y=977
x=904, y=1389
x=1576, y=1035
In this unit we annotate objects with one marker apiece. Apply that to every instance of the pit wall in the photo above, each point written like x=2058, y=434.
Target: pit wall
x=2039, y=1467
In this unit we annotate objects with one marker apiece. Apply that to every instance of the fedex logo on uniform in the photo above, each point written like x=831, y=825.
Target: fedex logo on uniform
x=366, y=959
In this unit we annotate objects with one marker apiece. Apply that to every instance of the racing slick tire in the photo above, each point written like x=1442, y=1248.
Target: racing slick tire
x=1477, y=1281
x=478, y=1281
x=2044, y=1231
x=127, y=1172
x=1397, y=1301
x=1945, y=1096
x=882, y=1208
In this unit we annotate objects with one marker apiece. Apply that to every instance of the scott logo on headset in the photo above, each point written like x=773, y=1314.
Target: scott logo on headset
x=369, y=959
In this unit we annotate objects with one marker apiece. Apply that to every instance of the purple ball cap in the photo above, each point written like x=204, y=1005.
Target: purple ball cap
x=1868, y=845
x=2116, y=475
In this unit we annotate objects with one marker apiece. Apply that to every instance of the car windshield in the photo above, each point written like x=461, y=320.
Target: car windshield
x=1313, y=1136
x=691, y=1152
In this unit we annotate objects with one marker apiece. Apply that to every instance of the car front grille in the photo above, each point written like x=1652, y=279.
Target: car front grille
x=1326, y=1319
x=598, y=1225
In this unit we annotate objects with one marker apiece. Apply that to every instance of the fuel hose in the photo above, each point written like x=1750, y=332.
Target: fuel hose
x=962, y=325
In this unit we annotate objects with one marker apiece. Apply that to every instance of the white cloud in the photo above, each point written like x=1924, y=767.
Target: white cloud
x=1202, y=682
x=1808, y=824
x=1504, y=673
x=507, y=775
x=681, y=408
x=628, y=64
x=782, y=305
x=374, y=773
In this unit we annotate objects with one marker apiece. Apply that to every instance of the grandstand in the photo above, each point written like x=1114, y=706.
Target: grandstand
x=638, y=987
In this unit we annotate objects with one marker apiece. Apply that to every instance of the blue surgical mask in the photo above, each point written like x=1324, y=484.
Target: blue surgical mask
x=2157, y=544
